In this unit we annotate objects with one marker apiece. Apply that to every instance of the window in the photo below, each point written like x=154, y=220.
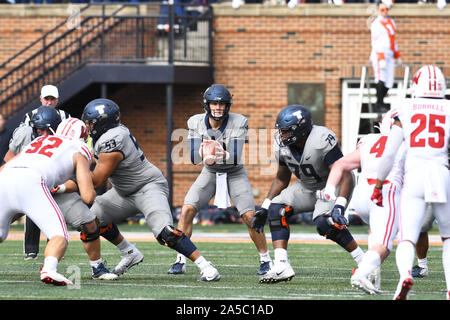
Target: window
x=310, y=95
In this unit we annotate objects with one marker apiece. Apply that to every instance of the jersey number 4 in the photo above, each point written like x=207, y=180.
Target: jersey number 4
x=378, y=147
x=39, y=147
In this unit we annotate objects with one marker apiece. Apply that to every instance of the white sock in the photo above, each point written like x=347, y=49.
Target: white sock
x=95, y=263
x=124, y=246
x=201, y=263
x=423, y=263
x=264, y=257
x=280, y=255
x=181, y=258
x=357, y=255
x=404, y=257
x=50, y=263
x=369, y=262
x=446, y=261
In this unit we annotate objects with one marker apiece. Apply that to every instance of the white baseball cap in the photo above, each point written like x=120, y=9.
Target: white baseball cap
x=49, y=90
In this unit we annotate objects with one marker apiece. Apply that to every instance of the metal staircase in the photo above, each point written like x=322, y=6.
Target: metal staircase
x=124, y=35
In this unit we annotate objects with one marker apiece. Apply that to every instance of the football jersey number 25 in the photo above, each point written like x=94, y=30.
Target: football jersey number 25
x=39, y=147
x=434, y=127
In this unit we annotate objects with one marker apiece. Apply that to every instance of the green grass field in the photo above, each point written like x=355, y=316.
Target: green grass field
x=322, y=273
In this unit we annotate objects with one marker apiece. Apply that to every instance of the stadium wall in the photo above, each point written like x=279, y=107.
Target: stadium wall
x=258, y=51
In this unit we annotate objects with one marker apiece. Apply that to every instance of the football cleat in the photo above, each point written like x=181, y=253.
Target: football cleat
x=375, y=277
x=264, y=267
x=403, y=289
x=54, y=278
x=102, y=273
x=279, y=272
x=128, y=260
x=31, y=256
x=177, y=268
x=419, y=272
x=210, y=274
x=364, y=284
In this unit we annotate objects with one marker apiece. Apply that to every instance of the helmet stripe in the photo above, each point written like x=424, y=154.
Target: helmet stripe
x=68, y=126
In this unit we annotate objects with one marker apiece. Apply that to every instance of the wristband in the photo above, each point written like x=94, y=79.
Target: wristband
x=341, y=201
x=266, y=203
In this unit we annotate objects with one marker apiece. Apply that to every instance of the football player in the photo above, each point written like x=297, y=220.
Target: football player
x=424, y=124
x=49, y=97
x=137, y=187
x=25, y=184
x=223, y=174
x=46, y=121
x=383, y=221
x=308, y=151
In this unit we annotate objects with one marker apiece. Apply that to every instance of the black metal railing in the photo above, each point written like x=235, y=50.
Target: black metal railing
x=125, y=35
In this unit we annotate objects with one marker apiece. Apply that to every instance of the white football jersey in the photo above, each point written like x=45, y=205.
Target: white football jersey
x=371, y=148
x=52, y=156
x=426, y=128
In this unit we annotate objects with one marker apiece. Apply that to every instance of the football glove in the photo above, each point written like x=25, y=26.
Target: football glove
x=326, y=194
x=382, y=64
x=337, y=218
x=377, y=197
x=58, y=189
x=259, y=220
x=260, y=217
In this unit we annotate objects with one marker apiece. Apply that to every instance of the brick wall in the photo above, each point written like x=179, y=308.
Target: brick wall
x=257, y=51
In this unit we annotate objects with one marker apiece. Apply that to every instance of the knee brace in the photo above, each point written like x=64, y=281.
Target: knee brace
x=177, y=240
x=110, y=232
x=341, y=236
x=86, y=236
x=279, y=227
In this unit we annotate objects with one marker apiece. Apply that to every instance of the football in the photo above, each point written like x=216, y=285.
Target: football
x=208, y=151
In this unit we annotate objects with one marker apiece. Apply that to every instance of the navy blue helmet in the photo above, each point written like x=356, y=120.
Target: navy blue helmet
x=294, y=123
x=217, y=93
x=45, y=117
x=103, y=113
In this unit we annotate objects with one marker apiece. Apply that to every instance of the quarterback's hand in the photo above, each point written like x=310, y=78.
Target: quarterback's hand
x=259, y=220
x=382, y=64
x=221, y=154
x=337, y=218
x=377, y=197
x=398, y=62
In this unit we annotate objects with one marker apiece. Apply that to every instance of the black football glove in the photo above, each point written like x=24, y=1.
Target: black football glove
x=337, y=218
x=259, y=220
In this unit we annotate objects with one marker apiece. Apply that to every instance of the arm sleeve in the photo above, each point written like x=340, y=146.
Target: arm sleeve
x=195, y=140
x=393, y=144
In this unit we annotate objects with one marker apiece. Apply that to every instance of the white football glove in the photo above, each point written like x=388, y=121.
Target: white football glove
x=58, y=189
x=382, y=64
x=398, y=62
x=221, y=154
x=327, y=194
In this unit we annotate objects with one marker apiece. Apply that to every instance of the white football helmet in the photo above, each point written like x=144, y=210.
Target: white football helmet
x=73, y=128
x=387, y=121
x=429, y=82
